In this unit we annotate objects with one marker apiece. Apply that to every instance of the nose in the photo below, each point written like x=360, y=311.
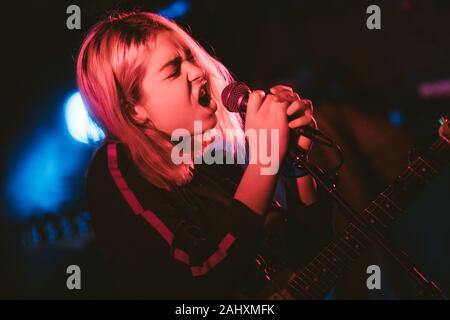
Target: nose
x=195, y=72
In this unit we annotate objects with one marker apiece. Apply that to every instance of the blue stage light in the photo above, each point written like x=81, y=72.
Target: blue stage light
x=40, y=178
x=396, y=118
x=80, y=125
x=175, y=10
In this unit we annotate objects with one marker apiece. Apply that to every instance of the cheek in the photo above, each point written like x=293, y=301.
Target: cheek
x=170, y=113
x=172, y=96
x=171, y=108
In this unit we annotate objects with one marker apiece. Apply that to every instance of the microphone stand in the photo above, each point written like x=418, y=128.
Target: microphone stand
x=300, y=161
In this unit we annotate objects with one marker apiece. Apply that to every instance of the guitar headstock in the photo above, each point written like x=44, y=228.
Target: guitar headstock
x=444, y=129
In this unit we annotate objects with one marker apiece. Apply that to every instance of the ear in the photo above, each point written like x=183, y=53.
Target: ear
x=139, y=114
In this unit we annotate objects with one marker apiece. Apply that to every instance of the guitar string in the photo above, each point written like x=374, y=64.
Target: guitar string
x=349, y=231
x=316, y=279
x=389, y=191
x=303, y=289
x=326, y=276
x=335, y=261
x=332, y=264
x=406, y=176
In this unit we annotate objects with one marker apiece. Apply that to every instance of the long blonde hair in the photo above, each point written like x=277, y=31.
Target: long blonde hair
x=110, y=69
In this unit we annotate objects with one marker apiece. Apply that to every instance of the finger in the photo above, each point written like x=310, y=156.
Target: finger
x=310, y=105
x=303, y=107
x=314, y=123
x=300, y=122
x=267, y=103
x=271, y=105
x=296, y=106
x=286, y=96
x=279, y=88
x=255, y=100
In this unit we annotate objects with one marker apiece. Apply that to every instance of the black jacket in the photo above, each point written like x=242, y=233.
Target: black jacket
x=195, y=241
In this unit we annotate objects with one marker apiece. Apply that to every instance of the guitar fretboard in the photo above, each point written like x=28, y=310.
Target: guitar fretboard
x=319, y=276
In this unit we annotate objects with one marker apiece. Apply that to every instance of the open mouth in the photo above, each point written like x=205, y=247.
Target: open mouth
x=204, y=98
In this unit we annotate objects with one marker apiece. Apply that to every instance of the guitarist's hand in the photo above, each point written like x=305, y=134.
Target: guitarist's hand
x=299, y=111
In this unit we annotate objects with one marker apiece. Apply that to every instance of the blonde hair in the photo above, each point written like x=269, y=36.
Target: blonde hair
x=110, y=70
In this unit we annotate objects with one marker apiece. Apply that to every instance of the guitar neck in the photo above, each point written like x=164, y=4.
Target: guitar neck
x=319, y=276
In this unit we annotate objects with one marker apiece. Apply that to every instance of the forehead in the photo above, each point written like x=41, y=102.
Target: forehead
x=163, y=48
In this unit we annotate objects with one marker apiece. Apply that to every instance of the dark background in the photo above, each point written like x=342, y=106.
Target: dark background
x=365, y=85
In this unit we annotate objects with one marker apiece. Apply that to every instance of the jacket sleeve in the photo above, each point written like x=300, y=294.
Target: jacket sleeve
x=151, y=260
x=312, y=226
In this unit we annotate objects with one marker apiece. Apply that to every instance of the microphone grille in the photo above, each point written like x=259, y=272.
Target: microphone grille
x=233, y=96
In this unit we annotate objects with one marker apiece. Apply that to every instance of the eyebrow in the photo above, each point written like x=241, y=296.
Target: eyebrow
x=175, y=60
x=172, y=62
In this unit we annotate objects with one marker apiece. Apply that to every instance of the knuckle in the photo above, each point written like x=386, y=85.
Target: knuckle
x=258, y=93
x=282, y=87
x=296, y=104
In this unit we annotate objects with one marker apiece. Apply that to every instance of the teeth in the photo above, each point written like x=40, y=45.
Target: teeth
x=203, y=96
x=202, y=91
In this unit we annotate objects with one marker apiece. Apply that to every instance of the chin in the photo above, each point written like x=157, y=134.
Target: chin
x=210, y=122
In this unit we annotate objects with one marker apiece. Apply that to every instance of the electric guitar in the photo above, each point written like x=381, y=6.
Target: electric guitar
x=320, y=275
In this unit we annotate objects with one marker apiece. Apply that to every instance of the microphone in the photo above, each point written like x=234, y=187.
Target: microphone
x=235, y=98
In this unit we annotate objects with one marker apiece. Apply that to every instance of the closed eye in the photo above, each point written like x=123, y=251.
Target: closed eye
x=176, y=67
x=176, y=63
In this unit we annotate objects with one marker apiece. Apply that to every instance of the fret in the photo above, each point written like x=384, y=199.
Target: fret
x=278, y=296
x=334, y=264
x=315, y=280
x=374, y=220
x=413, y=181
x=304, y=286
x=307, y=282
x=409, y=185
x=390, y=201
x=356, y=233
x=287, y=295
x=426, y=165
x=357, y=245
x=322, y=277
x=293, y=281
x=311, y=286
x=297, y=280
x=328, y=265
x=344, y=253
x=325, y=271
x=436, y=145
x=352, y=250
x=384, y=206
x=397, y=192
x=299, y=290
x=336, y=260
x=417, y=174
x=378, y=211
